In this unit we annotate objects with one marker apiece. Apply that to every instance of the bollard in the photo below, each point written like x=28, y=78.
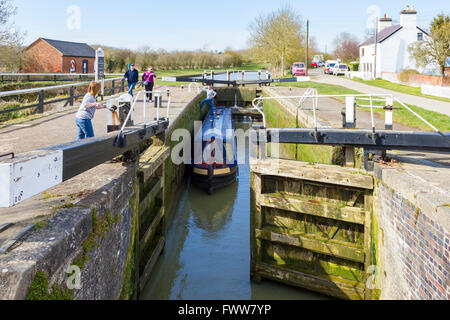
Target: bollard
x=350, y=123
x=389, y=117
x=350, y=113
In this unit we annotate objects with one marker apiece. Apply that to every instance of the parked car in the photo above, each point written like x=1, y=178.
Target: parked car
x=340, y=69
x=329, y=65
x=298, y=69
x=318, y=64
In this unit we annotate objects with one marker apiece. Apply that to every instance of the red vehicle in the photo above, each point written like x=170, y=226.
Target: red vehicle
x=298, y=69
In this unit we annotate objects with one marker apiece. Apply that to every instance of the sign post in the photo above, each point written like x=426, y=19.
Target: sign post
x=100, y=68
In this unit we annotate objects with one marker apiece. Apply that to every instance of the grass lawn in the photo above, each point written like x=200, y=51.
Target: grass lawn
x=399, y=88
x=401, y=115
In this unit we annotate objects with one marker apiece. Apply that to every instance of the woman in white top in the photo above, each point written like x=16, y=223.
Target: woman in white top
x=87, y=111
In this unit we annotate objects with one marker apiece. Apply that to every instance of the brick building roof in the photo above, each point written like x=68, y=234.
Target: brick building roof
x=72, y=49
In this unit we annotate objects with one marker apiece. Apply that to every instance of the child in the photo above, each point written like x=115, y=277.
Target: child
x=87, y=111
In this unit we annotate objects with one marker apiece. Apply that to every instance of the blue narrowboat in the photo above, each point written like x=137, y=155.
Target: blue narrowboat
x=217, y=169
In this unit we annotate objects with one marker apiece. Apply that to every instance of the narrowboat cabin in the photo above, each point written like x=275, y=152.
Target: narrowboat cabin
x=217, y=166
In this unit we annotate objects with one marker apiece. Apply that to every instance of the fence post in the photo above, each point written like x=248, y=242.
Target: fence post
x=113, y=89
x=41, y=102
x=123, y=85
x=71, y=102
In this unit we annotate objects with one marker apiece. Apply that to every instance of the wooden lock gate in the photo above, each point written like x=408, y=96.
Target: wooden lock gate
x=311, y=226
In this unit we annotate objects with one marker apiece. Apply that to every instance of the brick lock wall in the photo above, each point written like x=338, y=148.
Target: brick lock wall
x=78, y=64
x=42, y=57
x=415, y=250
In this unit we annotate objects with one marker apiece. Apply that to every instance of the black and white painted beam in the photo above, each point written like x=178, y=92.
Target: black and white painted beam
x=383, y=140
x=28, y=174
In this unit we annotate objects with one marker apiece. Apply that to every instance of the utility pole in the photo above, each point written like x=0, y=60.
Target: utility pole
x=376, y=49
x=307, y=46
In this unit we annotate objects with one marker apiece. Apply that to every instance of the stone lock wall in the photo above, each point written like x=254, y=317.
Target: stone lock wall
x=95, y=234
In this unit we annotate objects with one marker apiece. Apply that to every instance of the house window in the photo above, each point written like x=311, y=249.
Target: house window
x=362, y=52
x=420, y=36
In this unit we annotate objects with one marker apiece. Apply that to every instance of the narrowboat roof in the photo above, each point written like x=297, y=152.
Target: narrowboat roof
x=217, y=126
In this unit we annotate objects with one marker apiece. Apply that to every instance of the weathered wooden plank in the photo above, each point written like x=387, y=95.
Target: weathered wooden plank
x=328, y=248
x=314, y=172
x=151, y=196
x=255, y=220
x=152, y=229
x=334, y=288
x=151, y=160
x=145, y=276
x=326, y=210
x=368, y=204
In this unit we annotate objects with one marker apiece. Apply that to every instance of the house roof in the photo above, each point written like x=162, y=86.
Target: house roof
x=386, y=33
x=72, y=49
x=382, y=35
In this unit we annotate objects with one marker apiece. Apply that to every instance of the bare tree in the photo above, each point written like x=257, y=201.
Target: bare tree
x=436, y=47
x=347, y=47
x=277, y=38
x=10, y=38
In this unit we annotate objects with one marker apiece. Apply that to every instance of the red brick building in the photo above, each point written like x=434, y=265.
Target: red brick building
x=52, y=56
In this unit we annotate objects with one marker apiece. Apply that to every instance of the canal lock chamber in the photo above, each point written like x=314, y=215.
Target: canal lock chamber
x=278, y=228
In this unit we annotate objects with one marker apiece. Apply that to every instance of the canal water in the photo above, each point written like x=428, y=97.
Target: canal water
x=207, y=255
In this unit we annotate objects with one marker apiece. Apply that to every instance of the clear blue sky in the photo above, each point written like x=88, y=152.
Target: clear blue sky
x=200, y=24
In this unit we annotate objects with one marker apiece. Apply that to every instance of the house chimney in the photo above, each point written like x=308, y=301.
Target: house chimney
x=384, y=23
x=408, y=18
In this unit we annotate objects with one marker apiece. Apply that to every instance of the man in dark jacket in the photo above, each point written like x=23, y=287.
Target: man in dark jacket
x=132, y=76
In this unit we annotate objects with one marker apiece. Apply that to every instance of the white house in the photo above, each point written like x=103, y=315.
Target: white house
x=392, y=49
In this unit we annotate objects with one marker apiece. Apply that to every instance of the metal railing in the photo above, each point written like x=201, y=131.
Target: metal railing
x=389, y=99
x=39, y=105
x=158, y=102
x=13, y=77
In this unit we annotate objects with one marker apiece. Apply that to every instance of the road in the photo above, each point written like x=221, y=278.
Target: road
x=425, y=103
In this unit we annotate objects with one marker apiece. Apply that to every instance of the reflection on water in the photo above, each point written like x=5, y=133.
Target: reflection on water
x=207, y=255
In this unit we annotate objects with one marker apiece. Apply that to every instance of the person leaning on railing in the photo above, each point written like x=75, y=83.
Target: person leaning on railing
x=87, y=111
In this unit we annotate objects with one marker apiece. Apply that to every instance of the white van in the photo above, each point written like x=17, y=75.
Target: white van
x=329, y=65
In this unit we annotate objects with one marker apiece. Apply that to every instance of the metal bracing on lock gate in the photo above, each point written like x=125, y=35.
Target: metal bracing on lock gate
x=371, y=139
x=26, y=175
x=232, y=78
